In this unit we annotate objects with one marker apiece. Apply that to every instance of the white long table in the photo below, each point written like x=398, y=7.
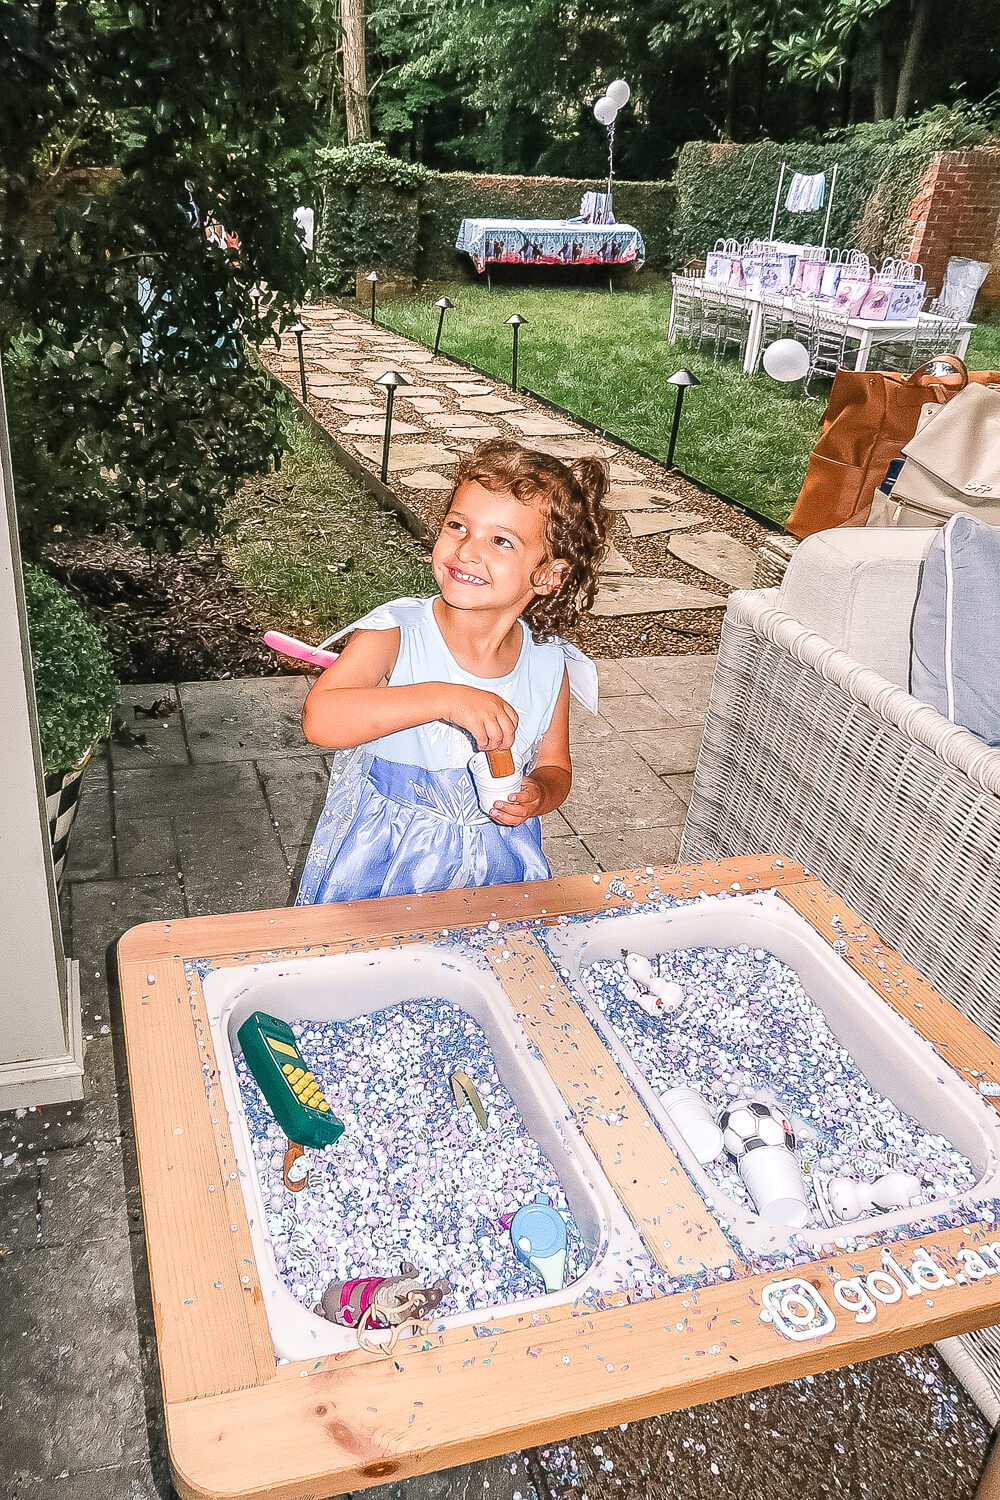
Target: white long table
x=867, y=331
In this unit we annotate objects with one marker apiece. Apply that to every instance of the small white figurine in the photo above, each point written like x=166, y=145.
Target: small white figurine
x=647, y=988
x=850, y=1199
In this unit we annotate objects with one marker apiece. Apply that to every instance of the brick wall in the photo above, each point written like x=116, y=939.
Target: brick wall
x=956, y=211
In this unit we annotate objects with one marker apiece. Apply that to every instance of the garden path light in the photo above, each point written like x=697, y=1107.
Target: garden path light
x=392, y=380
x=682, y=379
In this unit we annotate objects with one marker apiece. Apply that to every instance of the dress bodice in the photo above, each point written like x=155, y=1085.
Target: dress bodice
x=531, y=688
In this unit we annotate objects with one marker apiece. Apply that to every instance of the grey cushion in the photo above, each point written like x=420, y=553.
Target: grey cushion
x=955, y=661
x=856, y=587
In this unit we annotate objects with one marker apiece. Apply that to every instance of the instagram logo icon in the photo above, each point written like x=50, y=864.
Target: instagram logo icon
x=796, y=1310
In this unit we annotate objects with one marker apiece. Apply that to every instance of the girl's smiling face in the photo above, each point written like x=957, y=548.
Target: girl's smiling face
x=492, y=552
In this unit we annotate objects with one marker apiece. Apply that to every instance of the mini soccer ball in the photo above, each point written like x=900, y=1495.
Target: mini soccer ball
x=747, y=1124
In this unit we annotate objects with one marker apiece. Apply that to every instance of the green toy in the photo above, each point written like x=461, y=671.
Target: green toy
x=292, y=1092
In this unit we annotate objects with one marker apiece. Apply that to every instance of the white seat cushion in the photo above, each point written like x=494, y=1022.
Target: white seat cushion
x=856, y=586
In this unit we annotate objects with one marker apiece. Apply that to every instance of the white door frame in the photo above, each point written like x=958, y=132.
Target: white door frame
x=41, y=1045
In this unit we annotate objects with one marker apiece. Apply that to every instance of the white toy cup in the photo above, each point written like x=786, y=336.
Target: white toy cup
x=774, y=1179
x=490, y=788
x=695, y=1122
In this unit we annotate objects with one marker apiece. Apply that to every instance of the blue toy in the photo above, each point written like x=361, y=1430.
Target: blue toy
x=538, y=1234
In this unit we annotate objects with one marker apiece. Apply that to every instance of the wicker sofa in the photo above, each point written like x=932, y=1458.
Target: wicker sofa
x=810, y=751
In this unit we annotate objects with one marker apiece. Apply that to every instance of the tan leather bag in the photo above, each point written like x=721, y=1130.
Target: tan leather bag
x=871, y=414
x=952, y=463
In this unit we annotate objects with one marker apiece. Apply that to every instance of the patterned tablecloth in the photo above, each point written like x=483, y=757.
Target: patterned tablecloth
x=549, y=242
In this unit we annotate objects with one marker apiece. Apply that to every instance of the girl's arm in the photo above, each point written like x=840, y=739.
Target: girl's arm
x=352, y=704
x=548, y=785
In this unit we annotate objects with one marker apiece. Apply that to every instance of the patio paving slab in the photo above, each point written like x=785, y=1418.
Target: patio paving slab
x=150, y=733
x=637, y=711
x=636, y=848
x=614, y=790
x=262, y=716
x=680, y=684
x=146, y=846
x=83, y=1194
x=69, y=1398
x=666, y=753
x=615, y=681
x=91, y=849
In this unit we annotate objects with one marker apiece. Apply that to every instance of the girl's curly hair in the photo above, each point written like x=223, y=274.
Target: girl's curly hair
x=570, y=497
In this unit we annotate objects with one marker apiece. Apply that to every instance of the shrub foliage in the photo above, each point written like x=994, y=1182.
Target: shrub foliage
x=144, y=408
x=74, y=682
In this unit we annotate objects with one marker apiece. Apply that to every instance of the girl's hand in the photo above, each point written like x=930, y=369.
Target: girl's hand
x=486, y=716
x=520, y=806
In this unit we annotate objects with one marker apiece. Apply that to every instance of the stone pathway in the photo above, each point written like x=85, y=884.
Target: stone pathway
x=209, y=809
x=447, y=408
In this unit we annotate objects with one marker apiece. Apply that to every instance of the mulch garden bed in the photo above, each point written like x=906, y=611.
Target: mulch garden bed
x=168, y=619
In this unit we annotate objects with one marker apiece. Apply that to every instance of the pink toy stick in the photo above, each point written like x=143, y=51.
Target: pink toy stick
x=299, y=650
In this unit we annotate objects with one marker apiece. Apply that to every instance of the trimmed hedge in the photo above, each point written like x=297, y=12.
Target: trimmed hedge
x=726, y=189
x=369, y=218
x=382, y=214
x=449, y=197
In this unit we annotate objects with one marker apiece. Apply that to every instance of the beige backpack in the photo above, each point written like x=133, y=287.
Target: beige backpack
x=952, y=464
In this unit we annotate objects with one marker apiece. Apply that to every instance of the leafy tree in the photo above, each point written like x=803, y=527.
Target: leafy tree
x=499, y=85
x=126, y=125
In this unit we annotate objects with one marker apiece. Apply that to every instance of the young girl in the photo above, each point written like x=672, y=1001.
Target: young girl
x=424, y=683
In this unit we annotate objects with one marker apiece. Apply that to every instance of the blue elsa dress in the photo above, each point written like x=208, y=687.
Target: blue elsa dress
x=401, y=815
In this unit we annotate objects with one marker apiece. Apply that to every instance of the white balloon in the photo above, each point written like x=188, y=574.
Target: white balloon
x=605, y=110
x=618, y=92
x=786, y=359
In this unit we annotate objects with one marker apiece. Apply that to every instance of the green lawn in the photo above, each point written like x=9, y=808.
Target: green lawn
x=313, y=550
x=607, y=358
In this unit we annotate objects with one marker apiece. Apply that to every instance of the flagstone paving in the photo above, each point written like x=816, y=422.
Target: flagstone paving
x=452, y=419
x=541, y=426
x=645, y=595
x=425, y=404
x=638, y=496
x=652, y=523
x=371, y=425
x=664, y=601
x=488, y=404
x=408, y=455
x=426, y=479
x=719, y=556
x=614, y=562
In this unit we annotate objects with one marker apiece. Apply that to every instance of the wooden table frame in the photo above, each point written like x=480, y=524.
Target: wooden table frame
x=241, y=1426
